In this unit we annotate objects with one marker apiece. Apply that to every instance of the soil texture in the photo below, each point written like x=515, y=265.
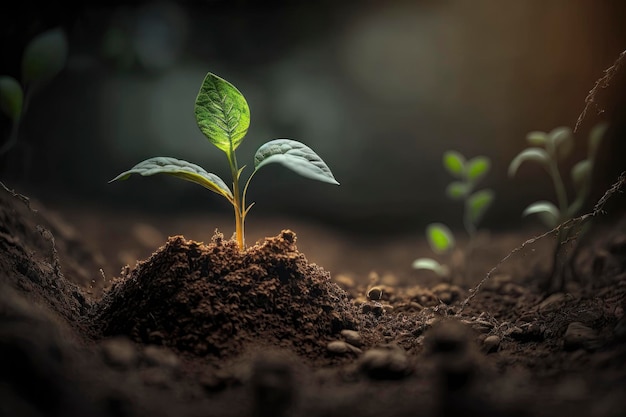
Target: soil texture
x=205, y=329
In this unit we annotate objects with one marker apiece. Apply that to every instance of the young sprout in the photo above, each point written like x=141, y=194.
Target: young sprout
x=223, y=116
x=467, y=175
x=43, y=59
x=547, y=149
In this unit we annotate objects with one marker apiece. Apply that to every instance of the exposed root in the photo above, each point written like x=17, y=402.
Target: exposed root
x=601, y=83
x=20, y=197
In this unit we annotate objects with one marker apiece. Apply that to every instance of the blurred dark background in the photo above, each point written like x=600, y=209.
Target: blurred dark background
x=379, y=89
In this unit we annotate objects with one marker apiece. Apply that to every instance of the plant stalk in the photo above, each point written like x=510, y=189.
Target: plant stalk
x=237, y=203
x=561, y=196
x=559, y=187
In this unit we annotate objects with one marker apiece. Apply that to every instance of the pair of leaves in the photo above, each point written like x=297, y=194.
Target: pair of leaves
x=43, y=59
x=223, y=116
x=468, y=173
x=290, y=153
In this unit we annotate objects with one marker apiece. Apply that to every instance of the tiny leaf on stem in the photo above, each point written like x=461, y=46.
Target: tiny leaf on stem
x=180, y=169
x=457, y=190
x=454, y=162
x=478, y=203
x=296, y=156
x=432, y=265
x=222, y=113
x=477, y=168
x=547, y=212
x=530, y=154
x=595, y=137
x=11, y=97
x=537, y=138
x=560, y=142
x=440, y=237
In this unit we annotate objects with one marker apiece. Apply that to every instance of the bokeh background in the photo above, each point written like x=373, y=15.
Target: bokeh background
x=379, y=89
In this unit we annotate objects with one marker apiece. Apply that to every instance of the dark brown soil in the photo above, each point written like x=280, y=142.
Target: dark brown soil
x=199, y=329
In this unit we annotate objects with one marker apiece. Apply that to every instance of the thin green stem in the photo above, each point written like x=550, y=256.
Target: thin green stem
x=237, y=203
x=245, y=192
x=561, y=196
x=559, y=187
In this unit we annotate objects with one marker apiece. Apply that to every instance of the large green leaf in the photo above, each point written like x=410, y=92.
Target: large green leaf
x=296, y=156
x=44, y=57
x=180, y=169
x=454, y=162
x=440, y=237
x=537, y=138
x=222, y=113
x=431, y=265
x=547, y=212
x=530, y=154
x=11, y=97
x=478, y=203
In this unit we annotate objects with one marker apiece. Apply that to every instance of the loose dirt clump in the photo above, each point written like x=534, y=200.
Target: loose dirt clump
x=218, y=301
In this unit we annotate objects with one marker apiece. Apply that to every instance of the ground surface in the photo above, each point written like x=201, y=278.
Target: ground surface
x=120, y=314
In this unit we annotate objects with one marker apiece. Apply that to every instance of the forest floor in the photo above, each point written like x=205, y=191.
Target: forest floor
x=106, y=313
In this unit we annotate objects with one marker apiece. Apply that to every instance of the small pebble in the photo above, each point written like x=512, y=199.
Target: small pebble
x=352, y=337
x=383, y=363
x=119, y=352
x=579, y=336
x=339, y=346
x=375, y=293
x=160, y=356
x=491, y=343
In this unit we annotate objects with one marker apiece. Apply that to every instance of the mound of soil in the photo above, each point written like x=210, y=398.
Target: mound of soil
x=206, y=329
x=216, y=300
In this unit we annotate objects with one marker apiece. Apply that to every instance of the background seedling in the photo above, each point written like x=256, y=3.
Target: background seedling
x=548, y=149
x=223, y=116
x=467, y=175
x=44, y=58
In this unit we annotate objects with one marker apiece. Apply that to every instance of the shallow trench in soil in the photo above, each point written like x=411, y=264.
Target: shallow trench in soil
x=105, y=313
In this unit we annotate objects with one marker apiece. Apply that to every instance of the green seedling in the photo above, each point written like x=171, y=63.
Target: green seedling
x=467, y=175
x=43, y=59
x=223, y=116
x=548, y=149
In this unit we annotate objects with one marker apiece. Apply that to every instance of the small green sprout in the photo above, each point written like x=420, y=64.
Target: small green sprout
x=467, y=175
x=547, y=149
x=223, y=116
x=43, y=59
